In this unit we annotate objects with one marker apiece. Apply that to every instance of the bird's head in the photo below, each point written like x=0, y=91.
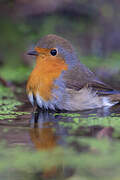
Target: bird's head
x=52, y=47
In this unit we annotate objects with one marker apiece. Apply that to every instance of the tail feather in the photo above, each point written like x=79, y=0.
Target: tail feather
x=107, y=92
x=115, y=97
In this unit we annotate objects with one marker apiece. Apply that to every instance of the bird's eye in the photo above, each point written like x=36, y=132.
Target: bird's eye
x=53, y=52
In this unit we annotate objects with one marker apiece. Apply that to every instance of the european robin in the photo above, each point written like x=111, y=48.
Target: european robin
x=60, y=81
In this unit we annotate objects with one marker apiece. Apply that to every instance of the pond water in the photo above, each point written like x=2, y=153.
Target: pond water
x=61, y=145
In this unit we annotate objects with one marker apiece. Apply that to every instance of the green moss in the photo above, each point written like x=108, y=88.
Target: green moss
x=67, y=114
x=8, y=104
x=74, y=121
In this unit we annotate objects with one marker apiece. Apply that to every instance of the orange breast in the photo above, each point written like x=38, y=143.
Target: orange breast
x=42, y=78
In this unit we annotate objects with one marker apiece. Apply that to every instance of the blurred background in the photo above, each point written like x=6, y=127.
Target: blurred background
x=92, y=26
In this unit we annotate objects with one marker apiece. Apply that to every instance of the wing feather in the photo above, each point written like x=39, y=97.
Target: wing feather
x=80, y=76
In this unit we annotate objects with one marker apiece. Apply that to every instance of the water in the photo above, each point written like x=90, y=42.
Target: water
x=51, y=145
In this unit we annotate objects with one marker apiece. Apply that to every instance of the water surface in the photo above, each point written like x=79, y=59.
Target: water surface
x=61, y=145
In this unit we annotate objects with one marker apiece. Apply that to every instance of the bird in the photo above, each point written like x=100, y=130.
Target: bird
x=59, y=81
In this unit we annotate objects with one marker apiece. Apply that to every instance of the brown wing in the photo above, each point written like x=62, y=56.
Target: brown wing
x=80, y=76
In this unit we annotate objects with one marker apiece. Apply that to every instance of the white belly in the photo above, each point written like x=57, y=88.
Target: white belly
x=72, y=101
x=40, y=102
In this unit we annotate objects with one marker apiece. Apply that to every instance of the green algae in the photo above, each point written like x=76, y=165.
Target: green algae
x=9, y=104
x=78, y=121
x=101, y=121
x=67, y=114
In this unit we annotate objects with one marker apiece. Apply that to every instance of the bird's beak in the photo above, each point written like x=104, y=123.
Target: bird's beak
x=32, y=52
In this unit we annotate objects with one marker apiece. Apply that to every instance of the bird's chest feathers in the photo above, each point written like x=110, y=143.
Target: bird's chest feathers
x=43, y=77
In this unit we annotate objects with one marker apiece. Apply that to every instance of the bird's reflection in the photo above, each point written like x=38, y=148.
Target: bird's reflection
x=42, y=131
x=44, y=137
